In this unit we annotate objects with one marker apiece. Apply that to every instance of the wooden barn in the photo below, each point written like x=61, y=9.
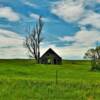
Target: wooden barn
x=50, y=57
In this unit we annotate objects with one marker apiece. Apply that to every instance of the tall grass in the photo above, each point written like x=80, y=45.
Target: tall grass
x=25, y=80
x=48, y=90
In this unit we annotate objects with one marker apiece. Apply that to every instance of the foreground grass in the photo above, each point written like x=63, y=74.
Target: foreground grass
x=25, y=80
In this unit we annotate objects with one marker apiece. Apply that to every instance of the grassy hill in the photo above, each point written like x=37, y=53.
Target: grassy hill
x=25, y=80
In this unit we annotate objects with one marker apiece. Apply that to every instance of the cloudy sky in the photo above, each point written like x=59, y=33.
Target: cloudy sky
x=70, y=26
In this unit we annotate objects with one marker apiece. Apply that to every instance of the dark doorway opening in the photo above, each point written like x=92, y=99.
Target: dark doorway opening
x=55, y=61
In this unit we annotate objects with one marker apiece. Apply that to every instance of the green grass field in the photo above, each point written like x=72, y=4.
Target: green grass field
x=25, y=80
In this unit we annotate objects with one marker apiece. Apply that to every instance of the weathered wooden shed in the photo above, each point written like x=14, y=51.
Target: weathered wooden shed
x=50, y=57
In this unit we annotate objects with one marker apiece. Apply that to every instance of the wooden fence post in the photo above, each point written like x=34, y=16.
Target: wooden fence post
x=56, y=77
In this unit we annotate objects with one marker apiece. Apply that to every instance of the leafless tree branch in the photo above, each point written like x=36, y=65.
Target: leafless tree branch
x=34, y=39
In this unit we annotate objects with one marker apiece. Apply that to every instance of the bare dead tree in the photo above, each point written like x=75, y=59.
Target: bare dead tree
x=33, y=40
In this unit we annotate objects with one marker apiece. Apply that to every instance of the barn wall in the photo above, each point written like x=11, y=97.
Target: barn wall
x=54, y=59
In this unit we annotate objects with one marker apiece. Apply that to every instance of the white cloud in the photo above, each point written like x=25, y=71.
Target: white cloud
x=36, y=16
x=98, y=1
x=30, y=4
x=84, y=40
x=33, y=15
x=68, y=52
x=69, y=10
x=9, y=14
x=75, y=11
x=11, y=45
x=91, y=18
x=66, y=38
x=88, y=37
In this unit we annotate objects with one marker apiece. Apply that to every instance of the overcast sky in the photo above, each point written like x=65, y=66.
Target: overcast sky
x=70, y=26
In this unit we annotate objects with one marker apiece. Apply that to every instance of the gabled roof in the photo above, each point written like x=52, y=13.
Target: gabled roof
x=51, y=50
